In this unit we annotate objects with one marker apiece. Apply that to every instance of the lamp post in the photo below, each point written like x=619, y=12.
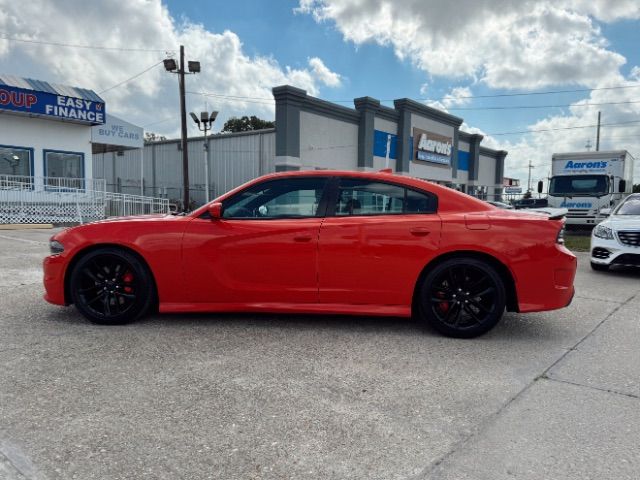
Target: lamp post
x=205, y=122
x=171, y=66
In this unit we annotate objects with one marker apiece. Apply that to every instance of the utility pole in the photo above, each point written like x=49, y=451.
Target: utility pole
x=194, y=67
x=598, y=135
x=183, y=120
x=529, y=180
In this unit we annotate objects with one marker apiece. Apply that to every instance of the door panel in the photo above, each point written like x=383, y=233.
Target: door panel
x=375, y=259
x=248, y=261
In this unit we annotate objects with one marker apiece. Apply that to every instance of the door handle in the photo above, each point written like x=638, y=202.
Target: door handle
x=302, y=238
x=420, y=232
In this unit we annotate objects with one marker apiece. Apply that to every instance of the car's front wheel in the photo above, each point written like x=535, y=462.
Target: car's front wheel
x=462, y=297
x=111, y=286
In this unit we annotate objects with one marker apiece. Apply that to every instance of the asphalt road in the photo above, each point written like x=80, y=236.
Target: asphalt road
x=553, y=395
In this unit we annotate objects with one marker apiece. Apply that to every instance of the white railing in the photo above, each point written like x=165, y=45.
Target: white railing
x=123, y=204
x=25, y=199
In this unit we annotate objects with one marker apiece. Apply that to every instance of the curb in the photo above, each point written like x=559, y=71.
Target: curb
x=25, y=226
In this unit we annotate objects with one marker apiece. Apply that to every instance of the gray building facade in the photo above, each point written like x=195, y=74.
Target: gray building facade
x=410, y=138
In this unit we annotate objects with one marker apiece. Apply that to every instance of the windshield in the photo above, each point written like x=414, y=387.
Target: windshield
x=629, y=207
x=580, y=185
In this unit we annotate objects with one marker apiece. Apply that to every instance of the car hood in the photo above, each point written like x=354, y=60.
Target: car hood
x=153, y=217
x=621, y=222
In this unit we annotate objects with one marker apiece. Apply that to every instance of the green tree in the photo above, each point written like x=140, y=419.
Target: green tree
x=246, y=124
x=153, y=137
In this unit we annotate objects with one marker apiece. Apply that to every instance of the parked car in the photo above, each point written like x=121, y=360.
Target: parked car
x=506, y=206
x=616, y=240
x=530, y=203
x=331, y=242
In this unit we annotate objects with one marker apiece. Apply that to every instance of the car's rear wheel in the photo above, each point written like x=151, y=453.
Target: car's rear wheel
x=599, y=267
x=462, y=297
x=111, y=286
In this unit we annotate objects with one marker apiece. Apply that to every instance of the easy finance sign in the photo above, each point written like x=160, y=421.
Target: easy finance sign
x=51, y=105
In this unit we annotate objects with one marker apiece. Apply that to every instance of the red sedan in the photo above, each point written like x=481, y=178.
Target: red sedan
x=320, y=242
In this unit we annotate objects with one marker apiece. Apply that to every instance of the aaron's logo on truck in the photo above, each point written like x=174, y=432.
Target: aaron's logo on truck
x=597, y=165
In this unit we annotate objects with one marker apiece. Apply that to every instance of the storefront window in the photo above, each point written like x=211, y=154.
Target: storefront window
x=15, y=161
x=67, y=165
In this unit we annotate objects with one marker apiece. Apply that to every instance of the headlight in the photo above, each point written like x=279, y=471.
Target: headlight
x=55, y=247
x=603, y=232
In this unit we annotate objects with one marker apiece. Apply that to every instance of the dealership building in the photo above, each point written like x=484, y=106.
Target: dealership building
x=49, y=134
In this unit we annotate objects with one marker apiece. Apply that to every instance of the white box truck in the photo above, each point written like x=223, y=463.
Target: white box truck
x=589, y=184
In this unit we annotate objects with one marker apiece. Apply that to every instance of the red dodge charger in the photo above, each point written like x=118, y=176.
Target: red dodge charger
x=320, y=242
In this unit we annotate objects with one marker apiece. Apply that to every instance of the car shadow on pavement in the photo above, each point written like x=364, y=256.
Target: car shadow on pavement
x=513, y=327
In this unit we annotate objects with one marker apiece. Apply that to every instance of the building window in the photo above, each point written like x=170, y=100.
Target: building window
x=16, y=161
x=64, y=165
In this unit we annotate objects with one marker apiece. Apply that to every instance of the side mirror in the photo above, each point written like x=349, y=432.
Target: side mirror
x=622, y=186
x=605, y=211
x=540, y=186
x=215, y=210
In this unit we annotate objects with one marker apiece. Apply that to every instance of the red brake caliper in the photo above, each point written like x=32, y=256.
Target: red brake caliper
x=128, y=278
x=444, y=305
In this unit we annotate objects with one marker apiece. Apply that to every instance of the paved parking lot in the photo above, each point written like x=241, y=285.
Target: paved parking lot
x=552, y=395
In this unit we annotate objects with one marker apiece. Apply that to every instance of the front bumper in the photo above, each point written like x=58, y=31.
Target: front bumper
x=613, y=252
x=54, y=268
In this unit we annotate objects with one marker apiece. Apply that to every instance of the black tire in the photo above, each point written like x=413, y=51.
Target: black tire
x=110, y=286
x=462, y=297
x=599, y=268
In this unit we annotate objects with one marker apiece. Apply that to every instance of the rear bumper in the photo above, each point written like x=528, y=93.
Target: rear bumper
x=54, y=268
x=547, y=284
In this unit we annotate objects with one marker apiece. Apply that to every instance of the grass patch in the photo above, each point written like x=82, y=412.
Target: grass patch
x=577, y=243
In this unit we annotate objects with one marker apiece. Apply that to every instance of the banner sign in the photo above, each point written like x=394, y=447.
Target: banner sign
x=431, y=147
x=118, y=132
x=51, y=105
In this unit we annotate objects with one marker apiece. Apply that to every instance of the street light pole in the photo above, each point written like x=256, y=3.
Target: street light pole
x=205, y=123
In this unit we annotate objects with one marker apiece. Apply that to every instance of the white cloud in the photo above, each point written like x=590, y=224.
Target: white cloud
x=457, y=97
x=323, y=74
x=226, y=68
x=504, y=44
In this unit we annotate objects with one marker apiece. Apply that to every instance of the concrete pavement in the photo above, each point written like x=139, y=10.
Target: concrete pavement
x=547, y=395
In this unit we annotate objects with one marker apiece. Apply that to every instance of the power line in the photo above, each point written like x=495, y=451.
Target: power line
x=563, y=128
x=159, y=121
x=548, y=92
x=131, y=78
x=516, y=107
x=268, y=101
x=5, y=36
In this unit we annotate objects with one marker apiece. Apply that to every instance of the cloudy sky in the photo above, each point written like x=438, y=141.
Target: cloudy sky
x=491, y=62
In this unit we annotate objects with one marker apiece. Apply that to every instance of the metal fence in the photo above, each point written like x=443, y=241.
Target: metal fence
x=25, y=199
x=122, y=204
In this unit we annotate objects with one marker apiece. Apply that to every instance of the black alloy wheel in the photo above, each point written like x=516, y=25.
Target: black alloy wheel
x=462, y=297
x=110, y=286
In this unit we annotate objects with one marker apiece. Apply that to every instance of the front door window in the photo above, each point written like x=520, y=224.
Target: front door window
x=283, y=198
